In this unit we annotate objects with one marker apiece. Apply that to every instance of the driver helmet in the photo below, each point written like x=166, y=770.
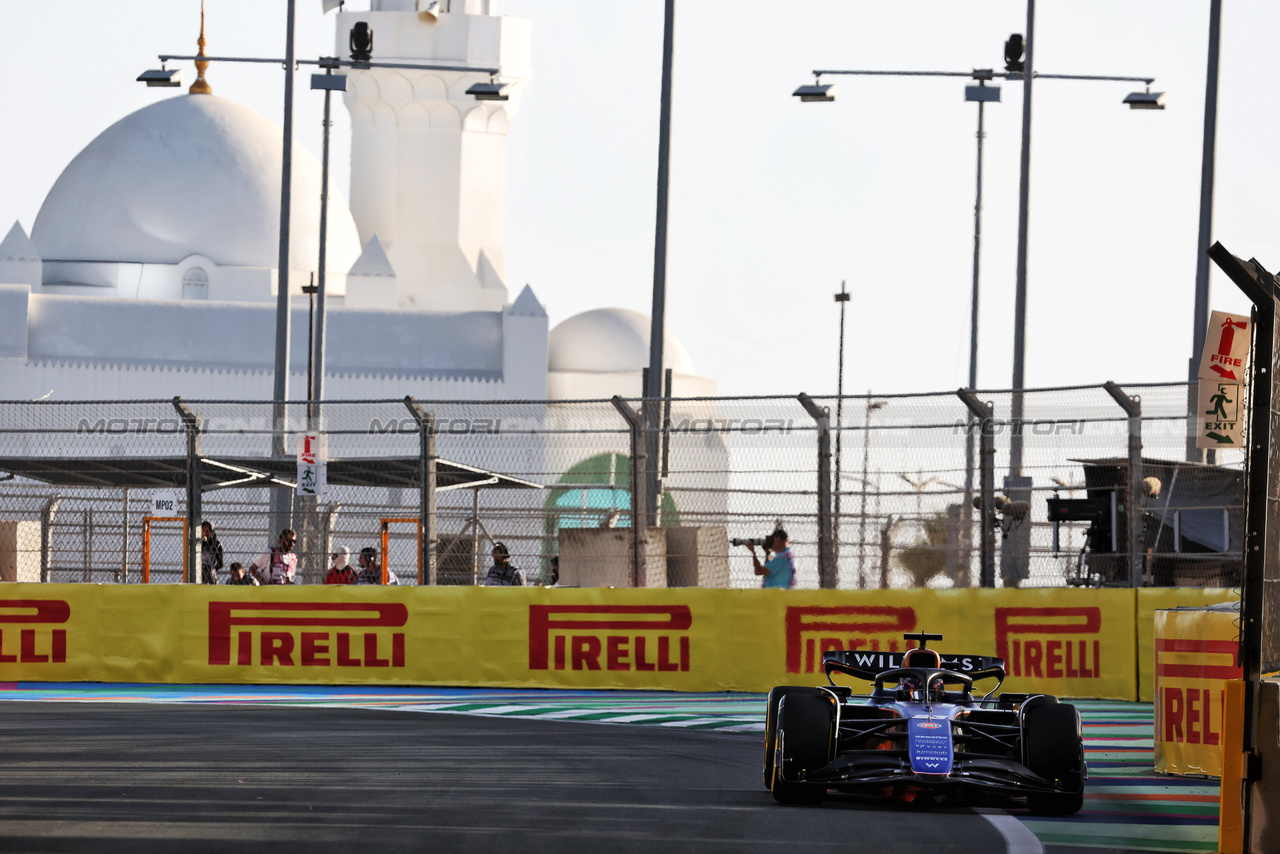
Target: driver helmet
x=928, y=659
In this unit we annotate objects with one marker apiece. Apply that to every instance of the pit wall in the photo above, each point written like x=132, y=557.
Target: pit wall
x=1069, y=642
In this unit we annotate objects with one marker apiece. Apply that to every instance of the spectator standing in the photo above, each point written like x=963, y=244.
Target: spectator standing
x=502, y=573
x=240, y=576
x=210, y=554
x=779, y=570
x=341, y=571
x=370, y=571
x=278, y=562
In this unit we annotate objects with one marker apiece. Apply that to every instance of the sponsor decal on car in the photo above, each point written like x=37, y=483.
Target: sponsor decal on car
x=610, y=637
x=27, y=635
x=930, y=751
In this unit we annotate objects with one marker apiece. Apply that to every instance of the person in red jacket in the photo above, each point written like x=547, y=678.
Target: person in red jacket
x=341, y=571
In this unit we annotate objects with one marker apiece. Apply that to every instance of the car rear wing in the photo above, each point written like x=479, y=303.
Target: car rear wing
x=868, y=664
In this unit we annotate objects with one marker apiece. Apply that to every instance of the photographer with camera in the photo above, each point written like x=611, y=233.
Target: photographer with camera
x=780, y=569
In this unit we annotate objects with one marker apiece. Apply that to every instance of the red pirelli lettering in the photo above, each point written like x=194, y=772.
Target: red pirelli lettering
x=35, y=644
x=578, y=637
x=1043, y=642
x=811, y=631
x=247, y=619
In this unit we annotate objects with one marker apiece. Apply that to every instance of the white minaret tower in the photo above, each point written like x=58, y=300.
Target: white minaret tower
x=428, y=161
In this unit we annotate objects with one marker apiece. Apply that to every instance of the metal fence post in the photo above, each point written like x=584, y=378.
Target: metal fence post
x=46, y=534
x=985, y=412
x=1132, y=407
x=194, y=490
x=124, y=539
x=639, y=481
x=827, y=575
x=426, y=488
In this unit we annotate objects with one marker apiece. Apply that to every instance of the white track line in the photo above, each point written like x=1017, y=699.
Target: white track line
x=1018, y=838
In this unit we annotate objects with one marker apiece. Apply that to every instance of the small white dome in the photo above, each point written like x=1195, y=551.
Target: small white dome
x=195, y=174
x=611, y=340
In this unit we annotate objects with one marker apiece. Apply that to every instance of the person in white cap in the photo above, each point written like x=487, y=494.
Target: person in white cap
x=341, y=571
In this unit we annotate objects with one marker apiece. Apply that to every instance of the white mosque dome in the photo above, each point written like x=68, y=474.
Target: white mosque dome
x=611, y=340
x=194, y=174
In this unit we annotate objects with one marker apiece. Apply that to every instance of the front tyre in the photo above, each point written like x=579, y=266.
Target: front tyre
x=771, y=724
x=1054, y=751
x=804, y=737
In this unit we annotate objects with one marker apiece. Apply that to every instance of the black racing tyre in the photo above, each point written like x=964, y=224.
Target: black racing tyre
x=771, y=724
x=1053, y=749
x=804, y=733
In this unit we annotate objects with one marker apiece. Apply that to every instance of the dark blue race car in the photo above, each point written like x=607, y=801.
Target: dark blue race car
x=922, y=733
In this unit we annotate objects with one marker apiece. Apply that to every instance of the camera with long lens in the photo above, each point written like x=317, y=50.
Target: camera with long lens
x=753, y=541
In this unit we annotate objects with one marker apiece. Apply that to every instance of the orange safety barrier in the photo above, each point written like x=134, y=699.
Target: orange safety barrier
x=146, y=543
x=386, y=537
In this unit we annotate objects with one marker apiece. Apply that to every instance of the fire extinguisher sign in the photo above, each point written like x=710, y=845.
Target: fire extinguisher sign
x=1226, y=348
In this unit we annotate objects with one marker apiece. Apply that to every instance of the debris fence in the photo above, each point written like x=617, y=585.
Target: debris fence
x=875, y=491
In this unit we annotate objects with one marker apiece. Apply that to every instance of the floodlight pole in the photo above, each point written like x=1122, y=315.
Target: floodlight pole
x=281, y=500
x=657, y=319
x=1200, y=320
x=280, y=391
x=1020, y=288
x=967, y=507
x=317, y=360
x=843, y=299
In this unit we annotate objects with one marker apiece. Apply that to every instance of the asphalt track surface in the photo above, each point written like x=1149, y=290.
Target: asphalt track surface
x=134, y=778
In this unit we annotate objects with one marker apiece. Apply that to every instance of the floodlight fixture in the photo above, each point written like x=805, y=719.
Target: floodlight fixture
x=361, y=42
x=171, y=77
x=491, y=91
x=329, y=5
x=816, y=92
x=1147, y=100
x=429, y=10
x=1014, y=49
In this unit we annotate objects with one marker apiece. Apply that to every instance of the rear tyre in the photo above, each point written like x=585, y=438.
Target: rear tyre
x=771, y=724
x=804, y=735
x=1053, y=749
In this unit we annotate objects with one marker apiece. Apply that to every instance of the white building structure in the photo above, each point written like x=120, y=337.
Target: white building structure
x=150, y=270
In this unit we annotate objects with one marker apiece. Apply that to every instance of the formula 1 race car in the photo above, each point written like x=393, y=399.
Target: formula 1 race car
x=921, y=733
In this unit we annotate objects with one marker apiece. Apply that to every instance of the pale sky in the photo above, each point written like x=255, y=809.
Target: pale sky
x=774, y=202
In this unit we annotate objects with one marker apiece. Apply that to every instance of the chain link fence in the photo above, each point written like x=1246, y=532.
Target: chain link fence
x=83, y=487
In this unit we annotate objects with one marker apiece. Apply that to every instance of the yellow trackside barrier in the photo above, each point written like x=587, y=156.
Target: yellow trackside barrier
x=1195, y=657
x=1231, y=801
x=1152, y=599
x=1062, y=641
